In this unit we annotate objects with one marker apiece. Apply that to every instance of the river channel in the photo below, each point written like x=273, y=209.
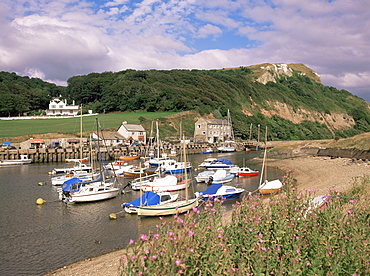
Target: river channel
x=36, y=239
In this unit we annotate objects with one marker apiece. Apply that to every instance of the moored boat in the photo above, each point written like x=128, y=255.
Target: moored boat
x=220, y=192
x=23, y=160
x=246, y=171
x=149, y=199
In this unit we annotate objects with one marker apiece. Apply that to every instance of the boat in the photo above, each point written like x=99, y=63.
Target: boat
x=75, y=190
x=246, y=171
x=220, y=192
x=207, y=162
x=173, y=166
x=214, y=176
x=102, y=188
x=22, y=161
x=267, y=187
x=116, y=165
x=204, y=176
x=135, y=171
x=171, y=208
x=228, y=145
x=130, y=156
x=222, y=163
x=84, y=176
x=220, y=176
x=207, y=151
x=149, y=199
x=66, y=170
x=168, y=183
x=76, y=160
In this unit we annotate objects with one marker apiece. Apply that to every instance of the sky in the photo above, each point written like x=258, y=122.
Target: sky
x=57, y=39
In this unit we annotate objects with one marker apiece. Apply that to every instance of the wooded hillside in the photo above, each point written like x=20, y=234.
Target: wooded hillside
x=323, y=112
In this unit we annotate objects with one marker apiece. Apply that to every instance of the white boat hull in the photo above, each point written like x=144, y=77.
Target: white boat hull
x=168, y=209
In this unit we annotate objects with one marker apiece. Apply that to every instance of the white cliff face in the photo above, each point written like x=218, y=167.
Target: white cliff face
x=274, y=71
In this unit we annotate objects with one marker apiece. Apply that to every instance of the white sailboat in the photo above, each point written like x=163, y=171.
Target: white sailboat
x=172, y=207
x=268, y=186
x=104, y=187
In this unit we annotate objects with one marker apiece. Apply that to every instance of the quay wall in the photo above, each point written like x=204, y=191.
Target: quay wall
x=46, y=155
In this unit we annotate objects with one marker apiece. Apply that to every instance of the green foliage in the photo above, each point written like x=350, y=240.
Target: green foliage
x=283, y=235
x=202, y=91
x=20, y=95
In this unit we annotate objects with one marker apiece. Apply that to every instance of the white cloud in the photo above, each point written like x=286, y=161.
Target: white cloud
x=59, y=39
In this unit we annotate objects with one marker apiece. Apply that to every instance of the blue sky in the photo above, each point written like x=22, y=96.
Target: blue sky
x=57, y=39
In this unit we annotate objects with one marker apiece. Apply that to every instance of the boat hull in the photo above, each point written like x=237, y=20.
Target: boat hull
x=102, y=195
x=248, y=174
x=168, y=209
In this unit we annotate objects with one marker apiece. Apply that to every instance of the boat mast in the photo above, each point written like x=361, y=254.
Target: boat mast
x=263, y=177
x=81, y=133
x=185, y=172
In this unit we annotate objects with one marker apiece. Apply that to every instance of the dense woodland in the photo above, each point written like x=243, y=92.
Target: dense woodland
x=203, y=91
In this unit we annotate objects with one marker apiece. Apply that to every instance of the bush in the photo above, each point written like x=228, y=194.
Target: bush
x=280, y=235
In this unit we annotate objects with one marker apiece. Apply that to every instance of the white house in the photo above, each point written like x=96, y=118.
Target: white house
x=59, y=107
x=132, y=132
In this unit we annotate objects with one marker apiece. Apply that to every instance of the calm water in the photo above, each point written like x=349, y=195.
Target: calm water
x=36, y=239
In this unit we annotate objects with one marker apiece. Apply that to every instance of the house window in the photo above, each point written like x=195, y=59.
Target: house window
x=71, y=111
x=210, y=132
x=53, y=106
x=203, y=132
x=198, y=126
x=60, y=106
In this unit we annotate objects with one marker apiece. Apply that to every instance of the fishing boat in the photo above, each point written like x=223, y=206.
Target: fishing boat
x=149, y=199
x=22, y=161
x=171, y=208
x=267, y=187
x=220, y=192
x=246, y=171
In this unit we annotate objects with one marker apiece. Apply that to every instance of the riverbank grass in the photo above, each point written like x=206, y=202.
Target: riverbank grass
x=280, y=235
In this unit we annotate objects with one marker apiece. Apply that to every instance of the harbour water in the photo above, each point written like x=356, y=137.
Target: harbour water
x=36, y=239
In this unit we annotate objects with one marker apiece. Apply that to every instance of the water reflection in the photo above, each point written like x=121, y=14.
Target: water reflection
x=35, y=239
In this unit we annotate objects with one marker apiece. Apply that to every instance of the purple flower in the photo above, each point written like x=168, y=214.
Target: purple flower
x=191, y=233
x=132, y=241
x=178, y=262
x=143, y=237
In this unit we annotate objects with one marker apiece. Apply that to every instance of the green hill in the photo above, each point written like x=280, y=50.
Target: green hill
x=290, y=99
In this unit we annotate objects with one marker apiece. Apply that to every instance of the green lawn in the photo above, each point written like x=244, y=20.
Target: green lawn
x=15, y=128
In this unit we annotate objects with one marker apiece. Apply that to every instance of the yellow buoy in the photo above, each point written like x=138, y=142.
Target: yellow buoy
x=41, y=183
x=113, y=216
x=40, y=201
x=50, y=172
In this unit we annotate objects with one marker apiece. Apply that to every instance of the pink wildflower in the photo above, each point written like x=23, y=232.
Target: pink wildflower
x=131, y=241
x=143, y=237
x=191, y=233
x=178, y=262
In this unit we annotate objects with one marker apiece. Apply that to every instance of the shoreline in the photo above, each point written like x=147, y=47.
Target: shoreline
x=312, y=173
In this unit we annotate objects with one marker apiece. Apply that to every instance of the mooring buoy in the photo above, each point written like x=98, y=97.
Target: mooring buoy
x=40, y=201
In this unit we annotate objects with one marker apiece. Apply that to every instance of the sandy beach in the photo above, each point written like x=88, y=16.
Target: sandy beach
x=312, y=173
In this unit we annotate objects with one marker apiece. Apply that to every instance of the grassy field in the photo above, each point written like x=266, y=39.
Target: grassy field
x=16, y=128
